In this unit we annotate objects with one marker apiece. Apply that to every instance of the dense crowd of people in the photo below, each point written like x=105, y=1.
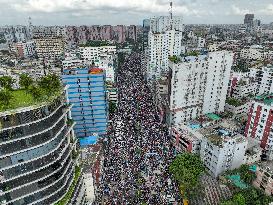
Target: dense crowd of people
x=138, y=151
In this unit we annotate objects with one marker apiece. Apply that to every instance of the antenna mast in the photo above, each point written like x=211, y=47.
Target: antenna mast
x=29, y=22
x=171, y=14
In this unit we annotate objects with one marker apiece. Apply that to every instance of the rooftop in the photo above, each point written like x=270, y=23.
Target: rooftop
x=213, y=116
x=235, y=102
x=220, y=132
x=203, y=121
x=83, y=70
x=215, y=139
x=32, y=92
x=266, y=98
x=22, y=98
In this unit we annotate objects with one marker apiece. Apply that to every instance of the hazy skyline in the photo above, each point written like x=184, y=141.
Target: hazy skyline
x=92, y=12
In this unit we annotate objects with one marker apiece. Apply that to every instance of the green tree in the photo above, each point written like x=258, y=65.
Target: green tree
x=5, y=97
x=246, y=175
x=25, y=81
x=36, y=92
x=186, y=169
x=50, y=83
x=112, y=107
x=239, y=199
x=6, y=82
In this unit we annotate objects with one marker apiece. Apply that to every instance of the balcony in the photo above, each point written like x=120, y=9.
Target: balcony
x=69, y=194
x=22, y=145
x=43, y=179
x=32, y=129
x=57, y=194
x=38, y=197
x=27, y=168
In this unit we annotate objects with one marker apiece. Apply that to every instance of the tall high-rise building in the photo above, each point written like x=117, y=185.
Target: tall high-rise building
x=146, y=29
x=38, y=155
x=161, y=47
x=166, y=23
x=87, y=92
x=131, y=32
x=249, y=20
x=16, y=34
x=199, y=85
x=164, y=40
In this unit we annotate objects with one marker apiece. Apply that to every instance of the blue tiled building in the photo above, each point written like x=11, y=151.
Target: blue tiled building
x=87, y=92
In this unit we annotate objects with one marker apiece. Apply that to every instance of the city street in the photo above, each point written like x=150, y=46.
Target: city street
x=138, y=151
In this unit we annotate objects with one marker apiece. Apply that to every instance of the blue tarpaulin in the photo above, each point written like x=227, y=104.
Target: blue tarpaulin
x=88, y=140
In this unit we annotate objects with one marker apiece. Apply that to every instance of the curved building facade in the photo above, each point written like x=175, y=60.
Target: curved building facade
x=38, y=155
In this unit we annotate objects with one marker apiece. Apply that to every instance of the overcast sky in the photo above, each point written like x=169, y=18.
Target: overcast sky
x=90, y=12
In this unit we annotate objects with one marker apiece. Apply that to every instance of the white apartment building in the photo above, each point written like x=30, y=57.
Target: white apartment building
x=72, y=62
x=93, y=53
x=264, y=78
x=260, y=121
x=239, y=111
x=161, y=47
x=252, y=54
x=213, y=47
x=201, y=42
x=29, y=49
x=49, y=47
x=220, y=152
x=199, y=85
x=102, y=57
x=217, y=142
x=163, y=23
x=112, y=95
x=107, y=63
x=244, y=88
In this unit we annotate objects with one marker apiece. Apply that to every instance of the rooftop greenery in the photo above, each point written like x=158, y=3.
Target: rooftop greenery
x=174, y=59
x=215, y=139
x=96, y=44
x=69, y=194
x=234, y=102
x=30, y=93
x=192, y=53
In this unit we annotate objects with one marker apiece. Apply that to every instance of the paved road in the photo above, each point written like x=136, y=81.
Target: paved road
x=138, y=151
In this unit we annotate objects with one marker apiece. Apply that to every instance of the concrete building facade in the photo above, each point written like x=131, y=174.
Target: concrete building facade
x=199, y=85
x=264, y=78
x=264, y=180
x=87, y=91
x=37, y=155
x=49, y=47
x=259, y=124
x=161, y=46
